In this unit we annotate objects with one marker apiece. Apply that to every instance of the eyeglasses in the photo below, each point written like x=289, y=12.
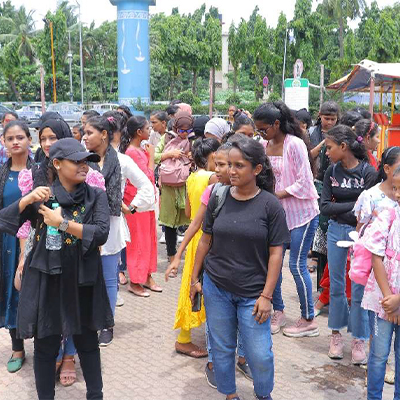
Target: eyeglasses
x=185, y=130
x=263, y=132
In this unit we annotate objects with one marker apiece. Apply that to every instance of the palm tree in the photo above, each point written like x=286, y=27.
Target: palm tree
x=341, y=10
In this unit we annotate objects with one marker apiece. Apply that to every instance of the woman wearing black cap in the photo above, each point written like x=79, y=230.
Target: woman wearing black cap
x=63, y=290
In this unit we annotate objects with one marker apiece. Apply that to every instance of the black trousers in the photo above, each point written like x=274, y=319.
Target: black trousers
x=17, y=344
x=46, y=351
x=171, y=235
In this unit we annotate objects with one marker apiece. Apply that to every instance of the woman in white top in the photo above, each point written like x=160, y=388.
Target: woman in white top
x=116, y=169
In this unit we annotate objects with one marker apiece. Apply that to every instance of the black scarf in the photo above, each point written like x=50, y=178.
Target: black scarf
x=49, y=261
x=112, y=175
x=4, y=174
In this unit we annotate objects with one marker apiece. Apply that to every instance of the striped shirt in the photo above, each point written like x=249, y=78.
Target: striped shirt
x=294, y=175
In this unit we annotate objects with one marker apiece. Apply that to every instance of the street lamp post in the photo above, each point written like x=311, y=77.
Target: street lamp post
x=69, y=55
x=284, y=66
x=80, y=49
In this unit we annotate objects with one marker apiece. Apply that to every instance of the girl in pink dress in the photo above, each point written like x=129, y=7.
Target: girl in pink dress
x=141, y=251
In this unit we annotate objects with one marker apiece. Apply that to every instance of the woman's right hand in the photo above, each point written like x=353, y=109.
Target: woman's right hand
x=195, y=289
x=172, y=268
x=176, y=153
x=41, y=193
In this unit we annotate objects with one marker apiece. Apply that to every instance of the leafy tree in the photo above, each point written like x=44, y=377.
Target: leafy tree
x=237, y=41
x=341, y=10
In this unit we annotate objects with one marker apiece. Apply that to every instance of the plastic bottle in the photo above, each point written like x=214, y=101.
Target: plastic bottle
x=53, y=236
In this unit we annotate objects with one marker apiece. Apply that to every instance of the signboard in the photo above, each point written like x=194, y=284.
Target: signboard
x=265, y=81
x=297, y=93
x=298, y=69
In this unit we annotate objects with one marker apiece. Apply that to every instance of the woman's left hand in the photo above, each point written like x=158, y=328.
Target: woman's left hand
x=51, y=217
x=391, y=303
x=262, y=309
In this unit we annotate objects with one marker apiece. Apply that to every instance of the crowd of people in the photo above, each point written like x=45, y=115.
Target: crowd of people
x=79, y=218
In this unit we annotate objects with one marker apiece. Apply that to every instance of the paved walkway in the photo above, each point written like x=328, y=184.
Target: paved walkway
x=141, y=363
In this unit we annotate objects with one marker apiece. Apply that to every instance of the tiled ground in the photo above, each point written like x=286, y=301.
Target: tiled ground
x=141, y=363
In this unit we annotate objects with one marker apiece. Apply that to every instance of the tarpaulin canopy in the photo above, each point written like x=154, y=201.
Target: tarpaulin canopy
x=359, y=79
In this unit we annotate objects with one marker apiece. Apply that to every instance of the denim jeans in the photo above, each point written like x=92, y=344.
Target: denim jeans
x=226, y=313
x=338, y=308
x=67, y=348
x=240, y=348
x=122, y=263
x=381, y=340
x=110, y=273
x=300, y=243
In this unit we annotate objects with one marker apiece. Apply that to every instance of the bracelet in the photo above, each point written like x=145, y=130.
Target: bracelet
x=194, y=284
x=266, y=296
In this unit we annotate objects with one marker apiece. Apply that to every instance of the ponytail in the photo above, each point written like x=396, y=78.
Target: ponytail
x=130, y=131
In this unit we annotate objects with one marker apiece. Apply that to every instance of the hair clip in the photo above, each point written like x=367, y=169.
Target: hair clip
x=110, y=119
x=359, y=139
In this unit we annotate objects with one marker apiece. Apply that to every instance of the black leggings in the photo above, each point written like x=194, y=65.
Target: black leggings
x=46, y=351
x=171, y=235
x=17, y=344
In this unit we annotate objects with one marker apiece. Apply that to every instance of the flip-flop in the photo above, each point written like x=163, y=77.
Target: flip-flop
x=154, y=288
x=199, y=353
x=139, y=294
x=68, y=373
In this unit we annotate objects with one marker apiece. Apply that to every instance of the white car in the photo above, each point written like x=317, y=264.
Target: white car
x=69, y=111
x=30, y=112
x=102, y=108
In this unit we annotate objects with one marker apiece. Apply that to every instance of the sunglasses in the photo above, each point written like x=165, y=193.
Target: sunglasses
x=184, y=130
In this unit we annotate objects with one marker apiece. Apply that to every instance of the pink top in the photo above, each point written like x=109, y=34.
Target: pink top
x=277, y=168
x=382, y=238
x=205, y=197
x=297, y=179
x=25, y=183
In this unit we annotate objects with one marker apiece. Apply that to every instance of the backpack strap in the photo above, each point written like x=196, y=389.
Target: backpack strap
x=221, y=192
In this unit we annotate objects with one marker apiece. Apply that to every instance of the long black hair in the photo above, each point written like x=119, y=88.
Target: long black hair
x=103, y=123
x=201, y=150
x=343, y=134
x=254, y=152
x=389, y=157
x=120, y=118
x=289, y=124
x=350, y=118
x=132, y=126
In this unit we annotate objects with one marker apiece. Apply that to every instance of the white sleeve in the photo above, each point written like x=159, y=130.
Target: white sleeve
x=145, y=197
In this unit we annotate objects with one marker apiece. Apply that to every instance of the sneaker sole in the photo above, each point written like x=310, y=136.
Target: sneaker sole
x=244, y=373
x=274, y=332
x=312, y=333
x=335, y=356
x=363, y=362
x=209, y=383
x=105, y=344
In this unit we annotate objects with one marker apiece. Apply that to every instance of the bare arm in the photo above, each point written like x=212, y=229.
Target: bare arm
x=187, y=207
x=315, y=151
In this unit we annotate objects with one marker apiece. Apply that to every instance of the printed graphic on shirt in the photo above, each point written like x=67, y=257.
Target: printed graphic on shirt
x=348, y=183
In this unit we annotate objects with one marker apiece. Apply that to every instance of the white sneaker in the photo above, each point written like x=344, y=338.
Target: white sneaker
x=162, y=238
x=120, y=300
x=179, y=239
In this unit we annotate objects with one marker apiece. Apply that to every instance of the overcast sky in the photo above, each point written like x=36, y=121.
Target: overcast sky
x=103, y=10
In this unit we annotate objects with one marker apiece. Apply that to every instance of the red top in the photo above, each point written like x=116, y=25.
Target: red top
x=372, y=160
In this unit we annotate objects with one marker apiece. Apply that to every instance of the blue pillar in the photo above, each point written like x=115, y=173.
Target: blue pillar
x=133, y=50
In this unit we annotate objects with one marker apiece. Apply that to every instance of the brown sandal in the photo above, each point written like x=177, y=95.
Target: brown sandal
x=198, y=353
x=67, y=373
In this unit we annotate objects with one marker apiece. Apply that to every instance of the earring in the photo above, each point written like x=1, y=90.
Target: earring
x=103, y=140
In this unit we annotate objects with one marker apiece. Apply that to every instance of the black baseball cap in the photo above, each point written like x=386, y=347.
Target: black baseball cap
x=71, y=149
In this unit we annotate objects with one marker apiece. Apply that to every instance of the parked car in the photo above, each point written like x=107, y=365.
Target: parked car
x=69, y=111
x=30, y=112
x=102, y=108
x=3, y=110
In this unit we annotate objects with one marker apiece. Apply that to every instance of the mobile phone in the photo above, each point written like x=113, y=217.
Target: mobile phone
x=197, y=302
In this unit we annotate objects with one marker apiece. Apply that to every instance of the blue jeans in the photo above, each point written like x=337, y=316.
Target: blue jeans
x=226, y=313
x=122, y=263
x=67, y=348
x=338, y=308
x=381, y=340
x=300, y=243
x=110, y=273
x=240, y=348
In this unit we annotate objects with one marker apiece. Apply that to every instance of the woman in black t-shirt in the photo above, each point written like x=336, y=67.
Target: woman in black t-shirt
x=241, y=248
x=348, y=176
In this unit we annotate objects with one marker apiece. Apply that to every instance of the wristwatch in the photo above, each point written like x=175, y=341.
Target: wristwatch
x=64, y=225
x=132, y=209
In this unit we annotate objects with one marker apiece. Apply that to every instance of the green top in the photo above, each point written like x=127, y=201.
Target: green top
x=159, y=149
